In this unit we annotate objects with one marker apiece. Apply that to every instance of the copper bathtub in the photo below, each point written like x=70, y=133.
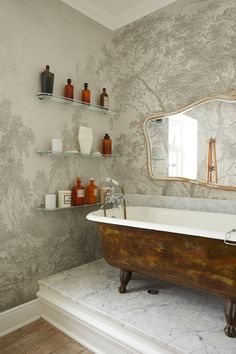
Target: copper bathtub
x=180, y=246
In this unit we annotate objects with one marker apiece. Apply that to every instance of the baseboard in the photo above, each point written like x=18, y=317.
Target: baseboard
x=19, y=316
x=94, y=330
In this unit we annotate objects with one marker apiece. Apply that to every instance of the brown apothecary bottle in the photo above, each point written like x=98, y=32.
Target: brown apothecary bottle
x=78, y=193
x=85, y=94
x=69, y=90
x=104, y=99
x=106, y=145
x=91, y=192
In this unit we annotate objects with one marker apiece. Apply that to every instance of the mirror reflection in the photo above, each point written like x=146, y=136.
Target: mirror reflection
x=197, y=144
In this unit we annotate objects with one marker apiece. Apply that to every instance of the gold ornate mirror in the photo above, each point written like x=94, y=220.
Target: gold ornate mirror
x=196, y=143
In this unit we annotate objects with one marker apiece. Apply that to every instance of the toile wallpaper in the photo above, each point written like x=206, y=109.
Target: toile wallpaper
x=160, y=63
x=163, y=62
x=34, y=244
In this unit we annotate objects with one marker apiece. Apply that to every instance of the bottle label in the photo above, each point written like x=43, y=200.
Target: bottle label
x=80, y=193
x=105, y=102
x=67, y=199
x=95, y=192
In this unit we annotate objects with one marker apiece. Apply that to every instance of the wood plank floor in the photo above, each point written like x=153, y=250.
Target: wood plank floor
x=40, y=337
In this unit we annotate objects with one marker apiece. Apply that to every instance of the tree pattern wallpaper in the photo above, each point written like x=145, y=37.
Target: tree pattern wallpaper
x=158, y=64
x=162, y=63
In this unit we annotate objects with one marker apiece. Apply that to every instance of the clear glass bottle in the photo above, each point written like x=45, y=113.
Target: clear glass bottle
x=47, y=80
x=69, y=90
x=104, y=99
x=78, y=193
x=106, y=145
x=91, y=192
x=85, y=94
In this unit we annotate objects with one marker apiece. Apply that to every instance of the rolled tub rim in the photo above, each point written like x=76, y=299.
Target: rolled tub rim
x=97, y=216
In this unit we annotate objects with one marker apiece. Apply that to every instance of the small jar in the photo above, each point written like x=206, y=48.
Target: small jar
x=56, y=145
x=50, y=201
x=64, y=199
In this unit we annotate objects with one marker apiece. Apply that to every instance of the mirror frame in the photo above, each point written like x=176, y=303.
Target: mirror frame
x=230, y=96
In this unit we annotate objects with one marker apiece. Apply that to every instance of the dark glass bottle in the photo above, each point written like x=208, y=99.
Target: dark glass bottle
x=85, y=94
x=78, y=193
x=104, y=99
x=47, y=80
x=69, y=90
x=106, y=145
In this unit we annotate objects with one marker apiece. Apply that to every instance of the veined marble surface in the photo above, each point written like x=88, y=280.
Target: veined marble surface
x=201, y=204
x=182, y=319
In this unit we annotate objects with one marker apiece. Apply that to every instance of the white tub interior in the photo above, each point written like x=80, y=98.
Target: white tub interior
x=196, y=223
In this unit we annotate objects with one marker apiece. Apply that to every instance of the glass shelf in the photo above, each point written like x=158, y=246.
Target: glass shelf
x=42, y=207
x=77, y=154
x=69, y=101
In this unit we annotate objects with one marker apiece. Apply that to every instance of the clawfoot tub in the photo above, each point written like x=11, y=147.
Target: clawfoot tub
x=181, y=246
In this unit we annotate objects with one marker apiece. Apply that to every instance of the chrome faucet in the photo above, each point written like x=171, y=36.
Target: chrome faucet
x=114, y=199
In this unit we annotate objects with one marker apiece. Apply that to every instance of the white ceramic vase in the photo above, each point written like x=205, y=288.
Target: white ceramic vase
x=85, y=140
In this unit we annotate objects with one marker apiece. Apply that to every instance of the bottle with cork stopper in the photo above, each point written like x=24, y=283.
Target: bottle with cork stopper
x=106, y=145
x=47, y=80
x=91, y=192
x=85, y=94
x=69, y=90
x=104, y=99
x=78, y=193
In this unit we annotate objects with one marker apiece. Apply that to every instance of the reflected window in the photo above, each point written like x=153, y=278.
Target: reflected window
x=183, y=137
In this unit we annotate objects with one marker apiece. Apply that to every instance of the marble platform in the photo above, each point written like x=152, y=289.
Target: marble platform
x=180, y=319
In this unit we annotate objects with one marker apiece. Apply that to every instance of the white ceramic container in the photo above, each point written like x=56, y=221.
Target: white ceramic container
x=85, y=140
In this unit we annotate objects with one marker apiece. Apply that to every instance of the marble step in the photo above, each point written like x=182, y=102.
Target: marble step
x=84, y=303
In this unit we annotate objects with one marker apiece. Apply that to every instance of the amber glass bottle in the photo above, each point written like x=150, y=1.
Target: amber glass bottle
x=78, y=193
x=85, y=94
x=104, y=99
x=69, y=90
x=106, y=145
x=91, y=192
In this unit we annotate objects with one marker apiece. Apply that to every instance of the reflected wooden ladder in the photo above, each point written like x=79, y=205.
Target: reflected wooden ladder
x=212, y=171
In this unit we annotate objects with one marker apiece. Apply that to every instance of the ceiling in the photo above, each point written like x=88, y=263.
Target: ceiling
x=114, y=14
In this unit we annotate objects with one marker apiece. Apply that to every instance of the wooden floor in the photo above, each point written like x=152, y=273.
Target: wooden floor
x=40, y=337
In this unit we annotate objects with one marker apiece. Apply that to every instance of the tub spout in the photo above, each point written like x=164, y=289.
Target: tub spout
x=114, y=199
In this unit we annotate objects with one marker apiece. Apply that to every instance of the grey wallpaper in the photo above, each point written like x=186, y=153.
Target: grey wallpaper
x=160, y=63
x=34, y=244
x=163, y=62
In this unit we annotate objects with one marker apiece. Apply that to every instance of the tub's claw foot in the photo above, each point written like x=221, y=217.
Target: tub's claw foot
x=230, y=331
x=230, y=315
x=125, y=277
x=122, y=289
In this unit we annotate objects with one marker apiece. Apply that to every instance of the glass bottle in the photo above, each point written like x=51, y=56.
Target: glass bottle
x=69, y=90
x=85, y=94
x=91, y=192
x=78, y=193
x=106, y=145
x=47, y=80
x=104, y=99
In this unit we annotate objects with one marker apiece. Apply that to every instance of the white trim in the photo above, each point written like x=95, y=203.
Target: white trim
x=116, y=20
x=19, y=316
x=93, y=329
